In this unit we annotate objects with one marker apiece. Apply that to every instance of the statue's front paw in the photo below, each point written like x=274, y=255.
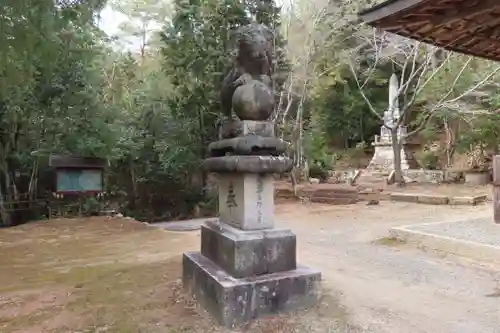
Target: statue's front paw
x=242, y=80
x=266, y=79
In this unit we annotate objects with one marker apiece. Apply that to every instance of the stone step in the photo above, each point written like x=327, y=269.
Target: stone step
x=362, y=180
x=335, y=200
x=373, y=175
x=335, y=192
x=335, y=196
x=437, y=199
x=234, y=301
x=283, y=193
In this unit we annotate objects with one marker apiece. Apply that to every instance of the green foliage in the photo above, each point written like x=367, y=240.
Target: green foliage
x=429, y=160
x=172, y=113
x=152, y=113
x=430, y=133
x=319, y=171
x=344, y=115
x=484, y=131
x=49, y=93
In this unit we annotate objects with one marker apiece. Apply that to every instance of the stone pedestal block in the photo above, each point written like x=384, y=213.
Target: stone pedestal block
x=248, y=164
x=234, y=301
x=246, y=201
x=248, y=253
x=248, y=145
x=247, y=268
x=478, y=178
x=383, y=158
x=234, y=127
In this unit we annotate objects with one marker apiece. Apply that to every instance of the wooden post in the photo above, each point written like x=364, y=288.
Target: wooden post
x=496, y=189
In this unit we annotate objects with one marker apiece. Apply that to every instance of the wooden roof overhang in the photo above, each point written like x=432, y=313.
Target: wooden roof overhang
x=466, y=26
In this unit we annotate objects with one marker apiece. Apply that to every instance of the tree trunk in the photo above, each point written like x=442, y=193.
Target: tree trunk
x=133, y=179
x=4, y=214
x=203, y=152
x=293, y=178
x=396, y=148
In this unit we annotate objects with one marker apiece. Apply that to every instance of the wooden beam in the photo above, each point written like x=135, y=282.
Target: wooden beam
x=381, y=16
x=467, y=12
x=456, y=13
x=460, y=29
x=477, y=30
x=386, y=9
x=402, y=22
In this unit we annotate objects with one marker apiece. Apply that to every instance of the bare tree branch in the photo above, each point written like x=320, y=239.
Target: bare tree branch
x=423, y=123
x=370, y=106
x=482, y=82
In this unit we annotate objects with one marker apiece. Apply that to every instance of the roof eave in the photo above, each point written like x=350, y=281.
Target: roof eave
x=386, y=9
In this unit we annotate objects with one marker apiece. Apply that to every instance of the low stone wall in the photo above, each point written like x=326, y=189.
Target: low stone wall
x=341, y=176
x=436, y=199
x=411, y=175
x=433, y=176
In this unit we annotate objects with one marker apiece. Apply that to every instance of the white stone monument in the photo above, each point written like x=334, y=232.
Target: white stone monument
x=383, y=158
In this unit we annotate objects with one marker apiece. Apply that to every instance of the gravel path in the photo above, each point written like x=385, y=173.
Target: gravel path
x=395, y=288
x=481, y=230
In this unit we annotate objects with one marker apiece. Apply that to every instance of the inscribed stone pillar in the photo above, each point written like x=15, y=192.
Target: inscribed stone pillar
x=247, y=201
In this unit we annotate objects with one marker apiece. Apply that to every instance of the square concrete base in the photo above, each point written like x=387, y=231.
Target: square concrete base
x=244, y=253
x=235, y=301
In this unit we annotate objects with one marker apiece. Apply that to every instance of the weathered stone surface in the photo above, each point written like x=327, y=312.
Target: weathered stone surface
x=383, y=158
x=232, y=128
x=335, y=200
x=253, y=100
x=435, y=199
x=432, y=199
x=404, y=197
x=428, y=199
x=477, y=178
x=236, y=301
x=478, y=239
x=248, y=164
x=247, y=88
x=452, y=176
x=335, y=196
x=248, y=253
x=470, y=201
x=246, y=201
x=247, y=268
x=248, y=145
x=410, y=175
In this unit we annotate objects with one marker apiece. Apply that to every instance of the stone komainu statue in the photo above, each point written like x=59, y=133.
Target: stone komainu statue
x=247, y=88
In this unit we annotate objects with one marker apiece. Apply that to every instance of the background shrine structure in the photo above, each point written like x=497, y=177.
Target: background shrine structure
x=467, y=26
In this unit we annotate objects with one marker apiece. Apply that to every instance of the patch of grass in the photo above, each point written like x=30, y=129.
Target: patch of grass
x=389, y=241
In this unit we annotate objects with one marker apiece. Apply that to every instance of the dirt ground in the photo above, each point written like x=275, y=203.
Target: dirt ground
x=118, y=275
x=109, y=275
